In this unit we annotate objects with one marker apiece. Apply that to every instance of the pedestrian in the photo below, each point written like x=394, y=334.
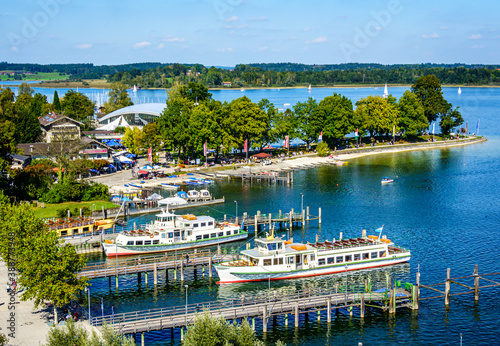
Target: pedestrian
x=187, y=258
x=8, y=287
x=14, y=286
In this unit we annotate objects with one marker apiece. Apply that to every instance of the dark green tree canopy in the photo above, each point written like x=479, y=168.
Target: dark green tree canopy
x=428, y=91
x=333, y=117
x=118, y=97
x=56, y=102
x=77, y=106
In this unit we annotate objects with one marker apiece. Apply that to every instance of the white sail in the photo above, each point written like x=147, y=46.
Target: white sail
x=386, y=92
x=135, y=88
x=459, y=90
x=309, y=87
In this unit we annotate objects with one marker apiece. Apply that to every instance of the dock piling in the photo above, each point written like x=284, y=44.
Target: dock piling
x=447, y=288
x=476, y=284
x=296, y=314
x=155, y=274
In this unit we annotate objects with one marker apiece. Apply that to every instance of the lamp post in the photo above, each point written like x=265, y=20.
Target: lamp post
x=346, y=284
x=236, y=211
x=186, y=286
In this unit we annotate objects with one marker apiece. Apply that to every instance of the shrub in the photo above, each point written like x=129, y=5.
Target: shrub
x=323, y=149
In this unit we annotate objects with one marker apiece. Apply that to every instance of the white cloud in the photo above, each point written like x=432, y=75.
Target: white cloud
x=321, y=39
x=444, y=28
x=434, y=35
x=257, y=19
x=224, y=50
x=477, y=46
x=173, y=39
x=307, y=29
x=232, y=19
x=261, y=49
x=14, y=49
x=160, y=46
x=84, y=46
x=141, y=44
x=474, y=37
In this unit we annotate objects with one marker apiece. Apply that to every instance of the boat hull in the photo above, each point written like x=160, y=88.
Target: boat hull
x=113, y=250
x=257, y=273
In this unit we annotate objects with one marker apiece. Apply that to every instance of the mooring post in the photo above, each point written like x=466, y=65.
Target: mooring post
x=270, y=220
x=319, y=215
x=264, y=319
x=286, y=320
x=182, y=334
x=447, y=288
x=155, y=274
x=279, y=215
x=146, y=278
x=340, y=236
x=219, y=250
x=296, y=314
x=210, y=267
x=291, y=177
x=175, y=272
x=138, y=278
x=253, y=323
x=329, y=310
x=182, y=271
x=142, y=339
x=317, y=238
x=291, y=218
x=116, y=277
x=476, y=283
x=307, y=213
x=256, y=224
x=392, y=308
x=362, y=306
x=303, y=218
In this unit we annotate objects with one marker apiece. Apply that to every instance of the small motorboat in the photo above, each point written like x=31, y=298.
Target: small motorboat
x=386, y=180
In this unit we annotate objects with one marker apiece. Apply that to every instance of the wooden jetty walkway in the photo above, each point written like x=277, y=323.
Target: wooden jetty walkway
x=300, y=302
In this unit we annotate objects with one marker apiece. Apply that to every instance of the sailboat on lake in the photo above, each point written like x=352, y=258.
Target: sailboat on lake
x=309, y=89
x=459, y=90
x=386, y=92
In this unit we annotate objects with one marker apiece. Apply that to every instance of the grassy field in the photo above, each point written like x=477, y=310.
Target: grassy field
x=40, y=76
x=50, y=210
x=90, y=83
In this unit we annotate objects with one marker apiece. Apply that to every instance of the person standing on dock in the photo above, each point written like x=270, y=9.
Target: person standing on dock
x=187, y=258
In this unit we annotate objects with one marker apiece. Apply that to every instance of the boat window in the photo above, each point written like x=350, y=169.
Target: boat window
x=156, y=241
x=221, y=234
x=189, y=233
x=130, y=242
x=311, y=257
x=267, y=262
x=280, y=246
x=198, y=237
x=85, y=229
x=210, y=223
x=138, y=242
x=374, y=254
x=203, y=224
x=340, y=259
x=298, y=259
x=171, y=235
x=331, y=260
x=64, y=233
x=271, y=246
x=289, y=260
x=228, y=233
x=348, y=258
x=321, y=261
x=382, y=253
x=366, y=255
x=195, y=225
x=213, y=235
x=255, y=262
x=206, y=236
x=177, y=234
x=147, y=242
x=357, y=257
x=235, y=231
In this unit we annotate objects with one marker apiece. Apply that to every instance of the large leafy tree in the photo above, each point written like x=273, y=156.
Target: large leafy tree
x=45, y=267
x=151, y=137
x=411, y=113
x=377, y=115
x=452, y=118
x=77, y=106
x=25, y=89
x=8, y=140
x=133, y=140
x=303, y=112
x=195, y=92
x=428, y=91
x=333, y=117
x=118, y=97
x=27, y=111
x=174, y=123
x=271, y=133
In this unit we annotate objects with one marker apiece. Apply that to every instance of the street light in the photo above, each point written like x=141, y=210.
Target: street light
x=236, y=211
x=186, y=286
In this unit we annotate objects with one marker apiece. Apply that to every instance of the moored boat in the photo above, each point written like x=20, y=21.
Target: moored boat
x=170, y=232
x=386, y=180
x=79, y=226
x=277, y=259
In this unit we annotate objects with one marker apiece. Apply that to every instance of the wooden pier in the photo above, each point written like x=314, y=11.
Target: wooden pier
x=263, y=307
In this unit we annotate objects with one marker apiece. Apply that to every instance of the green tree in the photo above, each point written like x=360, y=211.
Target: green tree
x=377, y=115
x=27, y=110
x=195, y=92
x=151, y=138
x=303, y=111
x=118, y=97
x=271, y=133
x=133, y=139
x=25, y=89
x=333, y=117
x=77, y=106
x=452, y=118
x=56, y=102
x=174, y=123
x=412, y=115
x=428, y=91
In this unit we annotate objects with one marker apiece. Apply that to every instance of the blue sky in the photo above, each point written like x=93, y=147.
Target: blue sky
x=228, y=32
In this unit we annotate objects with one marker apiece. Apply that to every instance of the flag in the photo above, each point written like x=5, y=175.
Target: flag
x=393, y=130
x=246, y=146
x=465, y=127
x=205, y=149
x=287, y=141
x=356, y=134
x=433, y=128
x=150, y=156
x=380, y=231
x=477, y=127
x=320, y=138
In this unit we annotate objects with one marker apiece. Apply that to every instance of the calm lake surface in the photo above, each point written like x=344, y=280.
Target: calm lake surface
x=443, y=205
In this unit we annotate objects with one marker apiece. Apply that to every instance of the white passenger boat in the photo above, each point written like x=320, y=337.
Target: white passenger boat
x=386, y=180
x=171, y=232
x=277, y=259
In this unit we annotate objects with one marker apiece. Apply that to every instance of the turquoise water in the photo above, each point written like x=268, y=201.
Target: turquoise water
x=443, y=205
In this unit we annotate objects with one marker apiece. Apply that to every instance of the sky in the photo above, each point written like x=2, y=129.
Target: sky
x=230, y=32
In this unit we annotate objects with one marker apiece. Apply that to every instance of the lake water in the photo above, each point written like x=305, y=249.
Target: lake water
x=443, y=205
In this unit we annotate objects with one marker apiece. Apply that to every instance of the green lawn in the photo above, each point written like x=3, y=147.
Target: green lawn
x=50, y=210
x=40, y=76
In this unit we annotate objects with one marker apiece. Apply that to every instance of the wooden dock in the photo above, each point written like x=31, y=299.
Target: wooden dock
x=263, y=307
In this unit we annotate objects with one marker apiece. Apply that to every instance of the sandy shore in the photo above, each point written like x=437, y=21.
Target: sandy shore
x=117, y=181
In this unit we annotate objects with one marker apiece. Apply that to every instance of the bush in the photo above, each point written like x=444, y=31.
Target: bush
x=72, y=190
x=323, y=149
